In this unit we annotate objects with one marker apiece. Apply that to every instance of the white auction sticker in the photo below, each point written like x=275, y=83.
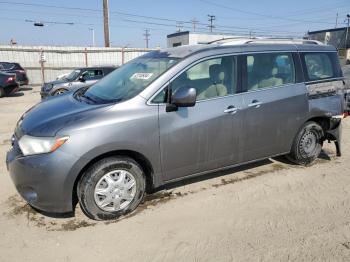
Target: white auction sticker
x=142, y=76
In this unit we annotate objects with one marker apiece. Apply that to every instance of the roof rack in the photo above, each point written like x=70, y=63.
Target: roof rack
x=243, y=41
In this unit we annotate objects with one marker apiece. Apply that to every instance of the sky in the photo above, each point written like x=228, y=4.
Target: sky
x=70, y=22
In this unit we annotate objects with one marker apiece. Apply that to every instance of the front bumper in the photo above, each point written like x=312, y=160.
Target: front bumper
x=45, y=91
x=44, y=95
x=42, y=179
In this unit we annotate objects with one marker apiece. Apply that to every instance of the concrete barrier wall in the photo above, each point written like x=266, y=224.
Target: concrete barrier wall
x=61, y=60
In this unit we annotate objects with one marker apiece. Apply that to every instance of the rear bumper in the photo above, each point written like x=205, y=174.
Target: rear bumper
x=10, y=89
x=41, y=180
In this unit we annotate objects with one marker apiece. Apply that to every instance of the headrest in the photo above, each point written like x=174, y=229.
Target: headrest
x=217, y=72
x=274, y=71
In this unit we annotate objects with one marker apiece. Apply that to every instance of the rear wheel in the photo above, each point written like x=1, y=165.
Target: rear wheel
x=307, y=144
x=2, y=92
x=112, y=187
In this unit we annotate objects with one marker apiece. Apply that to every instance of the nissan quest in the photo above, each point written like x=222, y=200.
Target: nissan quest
x=173, y=114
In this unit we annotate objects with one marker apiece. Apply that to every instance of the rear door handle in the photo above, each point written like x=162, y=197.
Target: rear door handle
x=255, y=103
x=231, y=110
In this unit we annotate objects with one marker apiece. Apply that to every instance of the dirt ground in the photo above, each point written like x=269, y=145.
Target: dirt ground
x=269, y=211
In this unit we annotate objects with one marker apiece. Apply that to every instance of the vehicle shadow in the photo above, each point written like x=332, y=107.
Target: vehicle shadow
x=199, y=178
x=54, y=215
x=26, y=88
x=17, y=94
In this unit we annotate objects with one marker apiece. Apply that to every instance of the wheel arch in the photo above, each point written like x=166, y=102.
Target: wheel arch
x=138, y=157
x=323, y=121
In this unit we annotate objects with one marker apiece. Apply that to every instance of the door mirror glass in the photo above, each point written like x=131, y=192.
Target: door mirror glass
x=184, y=97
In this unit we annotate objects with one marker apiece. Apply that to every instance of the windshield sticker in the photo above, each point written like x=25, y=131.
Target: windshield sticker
x=142, y=76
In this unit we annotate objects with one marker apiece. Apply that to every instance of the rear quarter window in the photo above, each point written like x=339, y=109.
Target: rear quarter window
x=320, y=66
x=7, y=66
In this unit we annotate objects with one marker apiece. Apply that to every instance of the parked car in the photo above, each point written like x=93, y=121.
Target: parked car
x=21, y=74
x=8, y=84
x=173, y=114
x=78, y=78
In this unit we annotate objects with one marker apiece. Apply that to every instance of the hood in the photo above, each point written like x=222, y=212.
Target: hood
x=48, y=117
x=55, y=82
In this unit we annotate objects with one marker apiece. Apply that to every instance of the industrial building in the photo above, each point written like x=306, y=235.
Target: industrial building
x=192, y=38
x=338, y=37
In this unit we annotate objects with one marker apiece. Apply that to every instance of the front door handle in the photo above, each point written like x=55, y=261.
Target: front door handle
x=255, y=103
x=231, y=110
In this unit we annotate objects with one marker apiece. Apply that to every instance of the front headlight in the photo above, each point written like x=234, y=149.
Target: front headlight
x=31, y=145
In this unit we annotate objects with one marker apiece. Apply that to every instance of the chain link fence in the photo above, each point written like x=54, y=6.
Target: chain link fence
x=45, y=63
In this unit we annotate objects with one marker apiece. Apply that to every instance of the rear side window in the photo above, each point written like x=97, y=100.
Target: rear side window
x=269, y=70
x=7, y=66
x=93, y=74
x=318, y=66
x=17, y=67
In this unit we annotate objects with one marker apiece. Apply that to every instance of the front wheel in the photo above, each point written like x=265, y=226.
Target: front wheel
x=59, y=92
x=112, y=187
x=307, y=144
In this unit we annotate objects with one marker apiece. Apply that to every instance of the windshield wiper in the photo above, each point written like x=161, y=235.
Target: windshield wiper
x=88, y=98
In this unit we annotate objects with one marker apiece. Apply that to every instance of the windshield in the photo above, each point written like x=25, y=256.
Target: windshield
x=130, y=79
x=73, y=75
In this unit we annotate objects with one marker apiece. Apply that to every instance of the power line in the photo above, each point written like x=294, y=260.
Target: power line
x=245, y=29
x=149, y=17
x=258, y=14
x=49, y=22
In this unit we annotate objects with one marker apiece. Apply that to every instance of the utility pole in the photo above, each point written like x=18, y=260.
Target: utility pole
x=179, y=26
x=211, y=19
x=336, y=21
x=93, y=36
x=194, y=24
x=147, y=35
x=347, y=31
x=106, y=22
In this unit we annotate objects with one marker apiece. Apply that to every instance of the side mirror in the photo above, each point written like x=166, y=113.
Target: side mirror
x=185, y=96
x=81, y=78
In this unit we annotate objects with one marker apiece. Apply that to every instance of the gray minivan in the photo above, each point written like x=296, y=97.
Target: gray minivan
x=173, y=114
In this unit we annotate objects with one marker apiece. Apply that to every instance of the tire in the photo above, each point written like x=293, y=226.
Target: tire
x=59, y=91
x=102, y=183
x=307, y=145
x=2, y=92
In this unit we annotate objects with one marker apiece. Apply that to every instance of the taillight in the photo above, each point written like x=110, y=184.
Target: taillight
x=11, y=79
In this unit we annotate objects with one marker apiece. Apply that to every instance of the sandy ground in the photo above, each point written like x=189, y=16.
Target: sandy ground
x=269, y=211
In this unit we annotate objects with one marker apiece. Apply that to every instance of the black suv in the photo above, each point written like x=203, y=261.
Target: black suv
x=8, y=84
x=16, y=68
